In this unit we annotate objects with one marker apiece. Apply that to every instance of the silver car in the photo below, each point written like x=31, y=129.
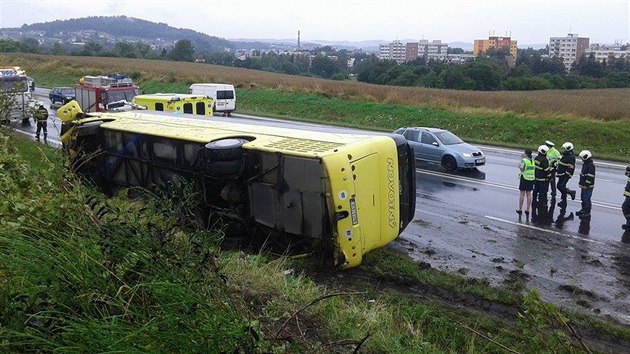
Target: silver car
x=443, y=147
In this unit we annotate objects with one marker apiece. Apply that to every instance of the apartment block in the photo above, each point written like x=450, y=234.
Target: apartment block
x=606, y=52
x=570, y=48
x=481, y=46
x=393, y=51
x=435, y=50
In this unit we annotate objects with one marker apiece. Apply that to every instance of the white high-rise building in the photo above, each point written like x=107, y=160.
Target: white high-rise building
x=392, y=51
x=570, y=48
x=606, y=52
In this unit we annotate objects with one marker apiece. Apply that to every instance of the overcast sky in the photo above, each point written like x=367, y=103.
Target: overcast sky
x=528, y=21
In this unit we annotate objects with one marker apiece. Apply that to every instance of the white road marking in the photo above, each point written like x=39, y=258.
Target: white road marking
x=508, y=187
x=543, y=230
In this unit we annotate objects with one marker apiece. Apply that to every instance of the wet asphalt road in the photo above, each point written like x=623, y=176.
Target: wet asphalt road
x=466, y=223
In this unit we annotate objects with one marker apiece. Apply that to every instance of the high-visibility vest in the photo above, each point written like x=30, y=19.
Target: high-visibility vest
x=553, y=155
x=528, y=172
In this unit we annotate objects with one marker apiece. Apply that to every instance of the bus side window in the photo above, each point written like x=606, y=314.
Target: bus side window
x=159, y=106
x=188, y=108
x=166, y=151
x=114, y=140
x=131, y=144
x=190, y=153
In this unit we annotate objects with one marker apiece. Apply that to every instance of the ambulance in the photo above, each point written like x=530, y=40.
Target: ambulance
x=176, y=103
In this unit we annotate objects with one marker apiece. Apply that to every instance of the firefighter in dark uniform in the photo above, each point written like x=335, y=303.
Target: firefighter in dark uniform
x=41, y=115
x=542, y=174
x=625, y=207
x=587, y=182
x=566, y=167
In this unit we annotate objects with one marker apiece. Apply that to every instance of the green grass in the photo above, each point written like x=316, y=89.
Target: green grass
x=84, y=273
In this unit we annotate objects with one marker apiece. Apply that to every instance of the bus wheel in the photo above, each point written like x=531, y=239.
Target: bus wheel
x=225, y=149
x=224, y=157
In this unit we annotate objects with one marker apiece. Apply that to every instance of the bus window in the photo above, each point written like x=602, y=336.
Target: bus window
x=166, y=151
x=188, y=108
x=201, y=108
x=190, y=154
x=159, y=106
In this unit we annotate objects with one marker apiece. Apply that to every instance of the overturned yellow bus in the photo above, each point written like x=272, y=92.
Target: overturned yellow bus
x=340, y=194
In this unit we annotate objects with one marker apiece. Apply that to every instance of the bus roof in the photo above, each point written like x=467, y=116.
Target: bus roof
x=298, y=142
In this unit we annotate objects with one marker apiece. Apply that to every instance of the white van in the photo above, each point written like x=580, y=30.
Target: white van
x=223, y=95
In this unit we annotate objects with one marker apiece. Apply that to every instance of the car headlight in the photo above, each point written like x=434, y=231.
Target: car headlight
x=466, y=154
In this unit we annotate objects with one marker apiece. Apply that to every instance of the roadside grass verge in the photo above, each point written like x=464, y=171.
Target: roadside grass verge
x=82, y=272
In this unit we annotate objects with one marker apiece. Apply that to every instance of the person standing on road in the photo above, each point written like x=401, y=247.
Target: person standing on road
x=625, y=207
x=587, y=182
x=553, y=155
x=566, y=167
x=526, y=182
x=41, y=115
x=541, y=185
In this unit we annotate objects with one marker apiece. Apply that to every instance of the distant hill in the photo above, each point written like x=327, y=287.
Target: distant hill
x=123, y=28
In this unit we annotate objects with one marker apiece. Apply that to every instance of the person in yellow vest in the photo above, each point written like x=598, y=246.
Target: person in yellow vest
x=625, y=207
x=553, y=155
x=526, y=184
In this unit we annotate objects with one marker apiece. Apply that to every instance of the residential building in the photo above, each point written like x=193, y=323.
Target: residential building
x=570, y=48
x=481, y=46
x=606, y=52
x=392, y=51
x=411, y=51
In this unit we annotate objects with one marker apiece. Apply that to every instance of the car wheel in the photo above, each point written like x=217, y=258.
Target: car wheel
x=449, y=163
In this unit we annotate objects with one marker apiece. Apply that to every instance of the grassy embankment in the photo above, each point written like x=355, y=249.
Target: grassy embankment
x=598, y=120
x=82, y=273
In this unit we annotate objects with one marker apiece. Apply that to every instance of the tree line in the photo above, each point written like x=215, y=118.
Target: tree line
x=530, y=71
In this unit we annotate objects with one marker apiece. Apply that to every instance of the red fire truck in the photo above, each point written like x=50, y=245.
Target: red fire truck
x=105, y=93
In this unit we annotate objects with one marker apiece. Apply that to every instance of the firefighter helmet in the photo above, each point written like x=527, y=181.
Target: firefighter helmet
x=567, y=146
x=585, y=155
x=542, y=149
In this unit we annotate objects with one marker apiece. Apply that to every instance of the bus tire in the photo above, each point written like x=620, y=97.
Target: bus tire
x=224, y=168
x=225, y=149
